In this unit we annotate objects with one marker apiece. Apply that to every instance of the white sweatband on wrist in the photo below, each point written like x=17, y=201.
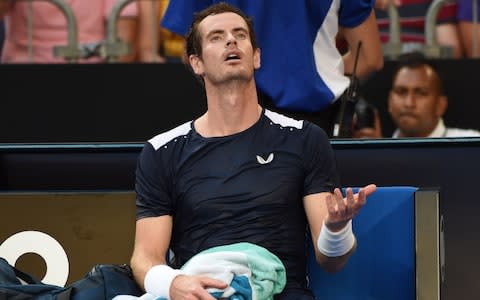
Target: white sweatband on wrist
x=333, y=244
x=158, y=280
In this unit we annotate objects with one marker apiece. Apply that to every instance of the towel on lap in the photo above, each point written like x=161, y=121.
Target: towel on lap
x=252, y=272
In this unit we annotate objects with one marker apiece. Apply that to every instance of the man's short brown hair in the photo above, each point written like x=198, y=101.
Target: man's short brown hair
x=193, y=39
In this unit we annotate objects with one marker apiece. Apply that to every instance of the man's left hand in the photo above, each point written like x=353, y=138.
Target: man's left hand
x=341, y=210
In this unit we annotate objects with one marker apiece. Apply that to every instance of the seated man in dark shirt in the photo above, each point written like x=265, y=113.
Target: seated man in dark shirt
x=239, y=173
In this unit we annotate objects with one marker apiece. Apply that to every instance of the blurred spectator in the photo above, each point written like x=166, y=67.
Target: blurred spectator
x=417, y=102
x=303, y=74
x=50, y=28
x=412, y=22
x=159, y=44
x=469, y=30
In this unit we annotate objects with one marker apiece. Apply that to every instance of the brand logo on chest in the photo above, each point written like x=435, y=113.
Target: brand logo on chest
x=263, y=161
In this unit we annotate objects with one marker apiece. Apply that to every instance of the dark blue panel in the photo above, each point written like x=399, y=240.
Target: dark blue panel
x=383, y=266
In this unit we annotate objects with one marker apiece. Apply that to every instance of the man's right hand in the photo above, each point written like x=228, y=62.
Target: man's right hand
x=194, y=287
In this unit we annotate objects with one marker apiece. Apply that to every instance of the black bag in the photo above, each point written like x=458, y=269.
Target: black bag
x=103, y=282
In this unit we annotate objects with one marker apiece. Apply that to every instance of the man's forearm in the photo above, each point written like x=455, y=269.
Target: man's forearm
x=334, y=264
x=367, y=62
x=140, y=266
x=370, y=58
x=335, y=247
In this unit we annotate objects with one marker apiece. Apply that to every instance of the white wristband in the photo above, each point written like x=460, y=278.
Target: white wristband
x=333, y=244
x=158, y=280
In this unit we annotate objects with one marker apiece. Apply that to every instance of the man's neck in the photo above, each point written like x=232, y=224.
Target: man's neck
x=232, y=108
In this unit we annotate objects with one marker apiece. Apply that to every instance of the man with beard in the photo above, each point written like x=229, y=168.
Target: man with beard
x=417, y=102
x=239, y=173
x=304, y=75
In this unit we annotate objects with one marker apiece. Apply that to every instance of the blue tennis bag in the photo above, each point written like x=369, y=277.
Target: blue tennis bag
x=103, y=282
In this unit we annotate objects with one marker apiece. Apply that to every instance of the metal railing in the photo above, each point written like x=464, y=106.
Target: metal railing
x=70, y=51
x=475, y=28
x=109, y=49
x=113, y=47
x=431, y=47
x=394, y=47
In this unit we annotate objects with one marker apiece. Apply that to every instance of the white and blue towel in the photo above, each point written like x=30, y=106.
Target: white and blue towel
x=252, y=272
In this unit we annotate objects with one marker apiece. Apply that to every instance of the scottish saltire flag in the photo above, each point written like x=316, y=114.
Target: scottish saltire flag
x=301, y=68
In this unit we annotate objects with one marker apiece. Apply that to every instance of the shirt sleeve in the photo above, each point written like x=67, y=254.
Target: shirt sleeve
x=320, y=163
x=179, y=14
x=151, y=184
x=354, y=12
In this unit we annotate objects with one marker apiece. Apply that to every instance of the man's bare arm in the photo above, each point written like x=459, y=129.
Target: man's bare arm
x=152, y=239
x=371, y=53
x=335, y=212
